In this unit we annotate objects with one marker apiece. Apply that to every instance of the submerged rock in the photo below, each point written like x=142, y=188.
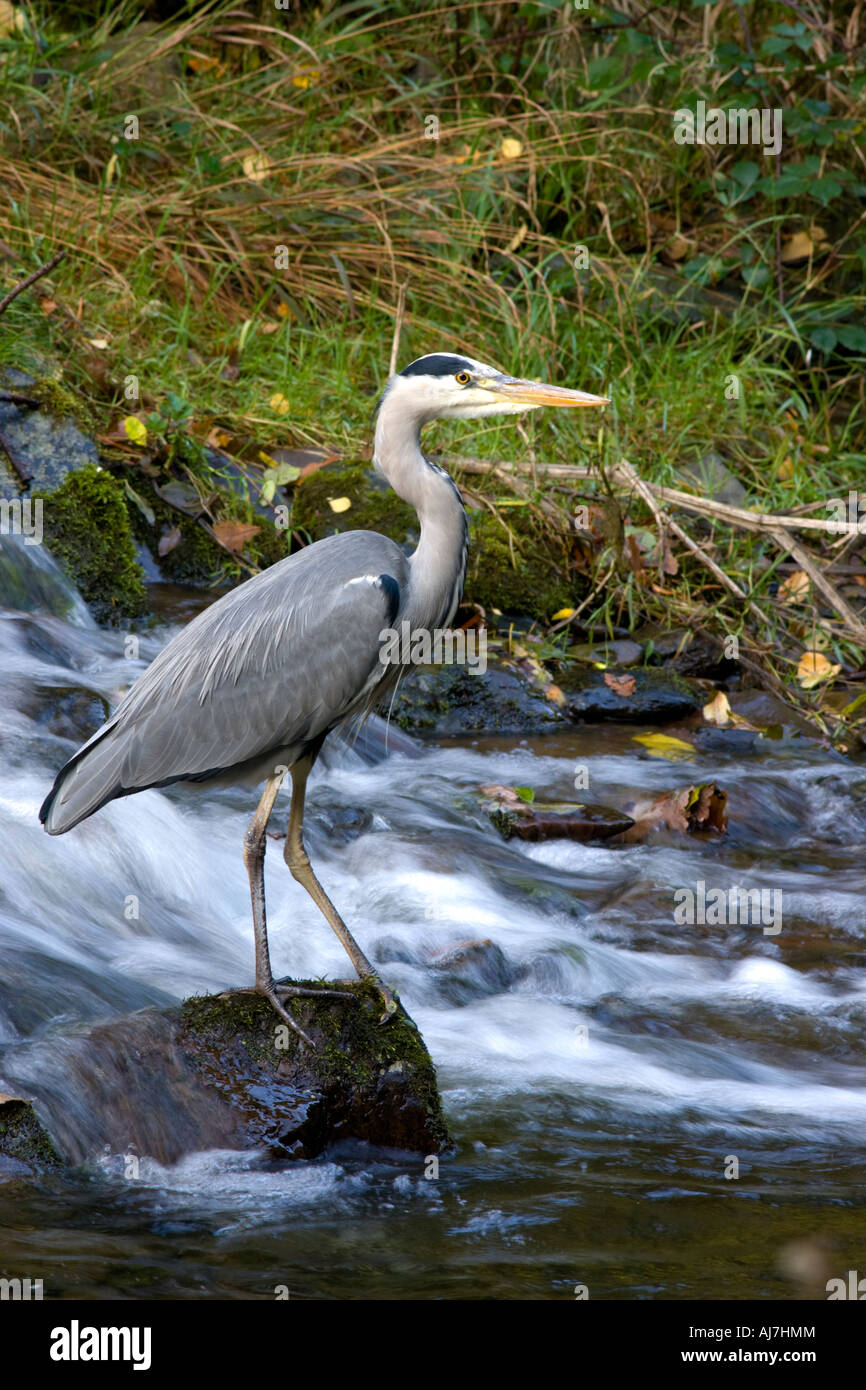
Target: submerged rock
x=632, y=696
x=222, y=1071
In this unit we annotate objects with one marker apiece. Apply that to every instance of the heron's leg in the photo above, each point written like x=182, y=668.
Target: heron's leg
x=301, y=869
x=254, y=857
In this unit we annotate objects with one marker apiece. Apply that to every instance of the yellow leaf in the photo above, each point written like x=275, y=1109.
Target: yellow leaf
x=308, y=77
x=8, y=19
x=283, y=310
x=562, y=615
x=801, y=245
x=814, y=669
x=135, y=430
x=510, y=148
x=786, y=468
x=267, y=460
x=279, y=403
x=718, y=711
x=675, y=750
x=257, y=166
x=339, y=504
x=110, y=169
x=98, y=342
x=795, y=589
x=554, y=693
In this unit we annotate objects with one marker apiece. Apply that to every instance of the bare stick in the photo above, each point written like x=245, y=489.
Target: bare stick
x=398, y=327
x=16, y=462
x=786, y=541
x=30, y=280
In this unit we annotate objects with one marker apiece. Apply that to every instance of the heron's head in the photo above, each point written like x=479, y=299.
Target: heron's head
x=446, y=387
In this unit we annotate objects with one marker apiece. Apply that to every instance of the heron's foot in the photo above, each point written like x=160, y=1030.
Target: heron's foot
x=298, y=991
x=389, y=999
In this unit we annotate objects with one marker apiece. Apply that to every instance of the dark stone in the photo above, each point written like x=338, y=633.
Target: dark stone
x=438, y=701
x=224, y=1072
x=472, y=969
x=690, y=654
x=537, y=822
x=48, y=443
x=659, y=696
x=23, y=1139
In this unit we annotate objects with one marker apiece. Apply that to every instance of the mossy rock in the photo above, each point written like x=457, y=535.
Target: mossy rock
x=23, y=1137
x=452, y=701
x=86, y=528
x=223, y=1071
x=374, y=505
x=523, y=581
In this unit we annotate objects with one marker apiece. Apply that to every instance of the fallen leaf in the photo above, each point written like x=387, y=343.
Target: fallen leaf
x=786, y=468
x=802, y=245
x=687, y=810
x=339, y=504
x=511, y=148
x=718, y=711
x=218, y=439
x=234, y=534
x=47, y=305
x=620, y=685
x=269, y=327
x=146, y=511
x=279, y=403
x=307, y=77
x=795, y=589
x=135, y=430
x=554, y=693
x=257, y=166
x=562, y=615
x=814, y=669
x=100, y=343
x=675, y=750
x=169, y=540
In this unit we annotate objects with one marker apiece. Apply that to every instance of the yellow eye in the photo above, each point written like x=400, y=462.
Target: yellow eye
x=462, y=378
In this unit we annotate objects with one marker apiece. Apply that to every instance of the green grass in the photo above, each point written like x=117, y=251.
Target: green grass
x=171, y=243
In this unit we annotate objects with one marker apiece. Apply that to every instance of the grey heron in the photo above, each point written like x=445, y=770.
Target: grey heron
x=250, y=689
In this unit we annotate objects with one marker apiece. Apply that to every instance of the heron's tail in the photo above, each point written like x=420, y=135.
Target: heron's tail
x=88, y=781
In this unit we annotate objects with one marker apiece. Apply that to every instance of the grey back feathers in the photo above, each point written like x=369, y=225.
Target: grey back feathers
x=250, y=682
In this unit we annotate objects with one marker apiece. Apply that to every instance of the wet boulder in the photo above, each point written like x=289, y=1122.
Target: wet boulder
x=223, y=1071
x=439, y=701
x=629, y=696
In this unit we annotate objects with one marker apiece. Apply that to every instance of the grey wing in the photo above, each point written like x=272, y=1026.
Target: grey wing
x=272, y=665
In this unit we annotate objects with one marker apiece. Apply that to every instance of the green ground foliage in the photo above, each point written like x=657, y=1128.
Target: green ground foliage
x=243, y=192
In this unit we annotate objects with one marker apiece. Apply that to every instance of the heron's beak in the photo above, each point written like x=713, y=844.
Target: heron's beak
x=534, y=393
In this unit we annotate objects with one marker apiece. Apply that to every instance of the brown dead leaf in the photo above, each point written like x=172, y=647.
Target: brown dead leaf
x=233, y=535
x=169, y=541
x=620, y=685
x=814, y=669
x=795, y=589
x=689, y=810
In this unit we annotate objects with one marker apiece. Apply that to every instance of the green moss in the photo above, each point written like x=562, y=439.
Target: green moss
x=64, y=403
x=23, y=1137
x=86, y=528
x=375, y=506
x=521, y=579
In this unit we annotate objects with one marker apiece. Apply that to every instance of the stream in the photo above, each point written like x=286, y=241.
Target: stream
x=599, y=1071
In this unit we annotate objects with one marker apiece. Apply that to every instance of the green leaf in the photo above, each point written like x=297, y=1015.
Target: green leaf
x=526, y=794
x=146, y=511
x=823, y=338
x=851, y=336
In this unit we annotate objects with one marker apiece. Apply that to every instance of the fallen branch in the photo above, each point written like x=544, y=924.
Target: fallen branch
x=30, y=280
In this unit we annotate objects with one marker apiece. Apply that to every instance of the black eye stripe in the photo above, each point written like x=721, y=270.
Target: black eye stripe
x=437, y=364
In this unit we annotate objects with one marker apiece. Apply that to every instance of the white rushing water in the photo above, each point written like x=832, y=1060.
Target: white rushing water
x=598, y=997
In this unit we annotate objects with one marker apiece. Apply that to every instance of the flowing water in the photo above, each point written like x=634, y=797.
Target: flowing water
x=600, y=1072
